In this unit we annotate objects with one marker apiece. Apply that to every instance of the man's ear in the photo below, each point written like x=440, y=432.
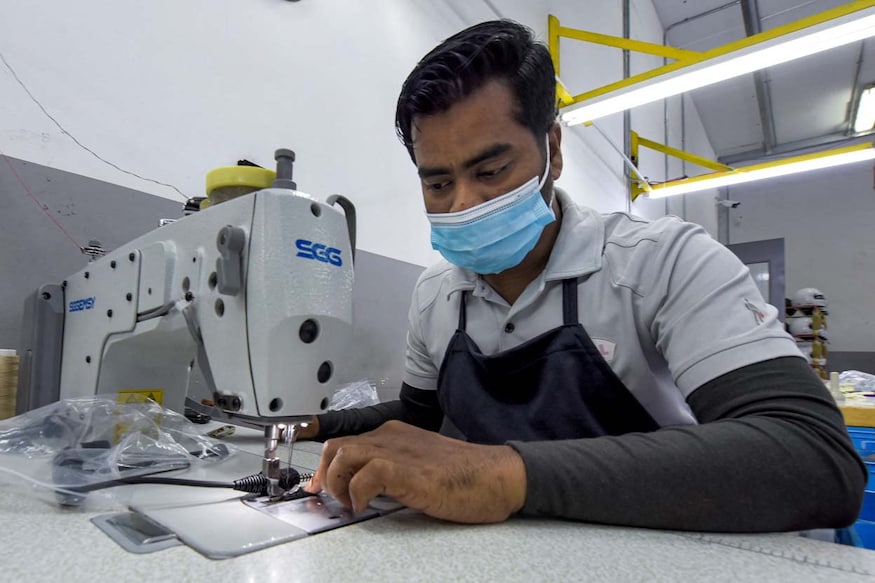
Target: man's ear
x=554, y=135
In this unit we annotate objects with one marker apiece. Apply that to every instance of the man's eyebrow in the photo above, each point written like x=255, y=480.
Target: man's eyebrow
x=487, y=153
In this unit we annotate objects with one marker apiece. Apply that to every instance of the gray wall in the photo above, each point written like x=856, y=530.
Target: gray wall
x=839, y=361
x=827, y=221
x=36, y=251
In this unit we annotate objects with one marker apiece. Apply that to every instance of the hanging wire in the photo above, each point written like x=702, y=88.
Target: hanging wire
x=75, y=140
x=634, y=169
x=39, y=203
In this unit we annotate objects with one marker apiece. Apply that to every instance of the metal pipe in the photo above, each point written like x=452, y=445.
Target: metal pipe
x=751, y=14
x=627, y=114
x=700, y=15
x=856, y=92
x=684, y=148
x=683, y=113
x=665, y=136
x=723, y=217
x=837, y=139
x=792, y=8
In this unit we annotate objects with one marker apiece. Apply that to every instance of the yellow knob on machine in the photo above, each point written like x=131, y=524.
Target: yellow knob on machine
x=230, y=182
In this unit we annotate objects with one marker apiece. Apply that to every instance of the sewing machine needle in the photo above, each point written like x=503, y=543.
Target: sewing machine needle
x=291, y=436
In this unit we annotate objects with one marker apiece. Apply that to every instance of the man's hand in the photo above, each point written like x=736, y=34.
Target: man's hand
x=445, y=478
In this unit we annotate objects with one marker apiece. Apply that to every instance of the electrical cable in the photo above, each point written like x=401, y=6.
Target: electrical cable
x=40, y=483
x=71, y=495
x=75, y=140
x=160, y=310
x=254, y=484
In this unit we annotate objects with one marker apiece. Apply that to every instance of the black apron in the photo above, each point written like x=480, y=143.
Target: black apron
x=554, y=386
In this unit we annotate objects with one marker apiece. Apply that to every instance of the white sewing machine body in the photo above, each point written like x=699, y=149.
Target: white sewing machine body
x=264, y=280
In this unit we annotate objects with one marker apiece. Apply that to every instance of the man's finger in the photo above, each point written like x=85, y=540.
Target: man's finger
x=347, y=460
x=388, y=430
x=376, y=477
x=329, y=450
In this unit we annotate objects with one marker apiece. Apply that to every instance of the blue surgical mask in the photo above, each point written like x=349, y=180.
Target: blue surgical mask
x=496, y=235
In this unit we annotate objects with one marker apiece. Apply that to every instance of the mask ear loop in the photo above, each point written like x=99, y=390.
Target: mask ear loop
x=544, y=177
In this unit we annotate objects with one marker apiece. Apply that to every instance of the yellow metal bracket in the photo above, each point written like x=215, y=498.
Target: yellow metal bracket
x=681, y=58
x=640, y=187
x=724, y=175
x=555, y=31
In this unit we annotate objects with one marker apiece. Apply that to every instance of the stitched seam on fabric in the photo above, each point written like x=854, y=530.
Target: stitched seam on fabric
x=733, y=347
x=631, y=245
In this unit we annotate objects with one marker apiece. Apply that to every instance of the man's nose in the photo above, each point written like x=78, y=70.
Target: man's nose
x=467, y=195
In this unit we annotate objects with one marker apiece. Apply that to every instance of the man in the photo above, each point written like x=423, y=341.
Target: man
x=599, y=368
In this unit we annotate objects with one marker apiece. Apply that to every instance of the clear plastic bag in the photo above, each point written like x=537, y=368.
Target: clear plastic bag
x=354, y=395
x=73, y=446
x=857, y=381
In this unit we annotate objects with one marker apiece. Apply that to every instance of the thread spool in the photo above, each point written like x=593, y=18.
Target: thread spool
x=229, y=182
x=835, y=388
x=8, y=382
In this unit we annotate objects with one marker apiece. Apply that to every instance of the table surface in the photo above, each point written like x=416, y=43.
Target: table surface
x=42, y=542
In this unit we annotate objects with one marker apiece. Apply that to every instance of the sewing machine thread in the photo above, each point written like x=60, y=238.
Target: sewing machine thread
x=8, y=382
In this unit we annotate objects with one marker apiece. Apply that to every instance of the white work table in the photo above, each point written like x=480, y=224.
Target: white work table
x=42, y=542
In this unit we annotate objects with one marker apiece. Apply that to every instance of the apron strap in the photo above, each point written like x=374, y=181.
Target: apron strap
x=569, y=301
x=462, y=314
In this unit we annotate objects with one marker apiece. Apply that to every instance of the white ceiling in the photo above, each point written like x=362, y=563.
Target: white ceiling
x=810, y=98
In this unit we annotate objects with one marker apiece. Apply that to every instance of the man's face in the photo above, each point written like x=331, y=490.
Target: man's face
x=475, y=151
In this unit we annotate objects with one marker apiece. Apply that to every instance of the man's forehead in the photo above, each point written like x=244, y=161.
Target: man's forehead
x=493, y=101
x=462, y=151
x=477, y=122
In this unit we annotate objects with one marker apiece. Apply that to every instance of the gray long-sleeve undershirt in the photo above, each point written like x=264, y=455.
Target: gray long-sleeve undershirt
x=771, y=453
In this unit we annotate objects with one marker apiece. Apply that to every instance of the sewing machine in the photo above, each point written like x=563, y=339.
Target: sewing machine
x=257, y=290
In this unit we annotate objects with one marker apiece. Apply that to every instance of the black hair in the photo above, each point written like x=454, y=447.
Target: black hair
x=495, y=50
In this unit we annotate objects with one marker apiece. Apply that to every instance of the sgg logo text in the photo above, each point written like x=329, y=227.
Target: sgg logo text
x=83, y=304
x=319, y=252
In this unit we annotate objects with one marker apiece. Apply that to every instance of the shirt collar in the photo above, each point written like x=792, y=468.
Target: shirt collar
x=578, y=248
x=577, y=251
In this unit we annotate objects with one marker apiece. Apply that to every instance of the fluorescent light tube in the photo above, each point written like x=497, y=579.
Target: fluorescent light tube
x=766, y=170
x=726, y=65
x=864, y=119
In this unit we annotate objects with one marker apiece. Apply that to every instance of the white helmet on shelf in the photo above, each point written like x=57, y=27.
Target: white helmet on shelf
x=809, y=297
x=800, y=326
x=805, y=348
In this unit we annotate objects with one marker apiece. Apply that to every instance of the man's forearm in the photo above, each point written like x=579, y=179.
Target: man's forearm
x=771, y=457
x=414, y=406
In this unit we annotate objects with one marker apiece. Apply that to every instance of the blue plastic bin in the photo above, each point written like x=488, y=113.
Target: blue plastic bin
x=866, y=532
x=864, y=443
x=864, y=440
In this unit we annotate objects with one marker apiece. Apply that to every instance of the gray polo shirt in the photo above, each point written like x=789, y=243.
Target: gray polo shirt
x=668, y=307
